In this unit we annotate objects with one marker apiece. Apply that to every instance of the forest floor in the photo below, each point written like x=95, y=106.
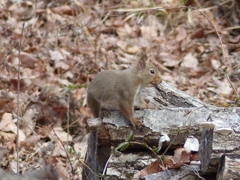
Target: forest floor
x=63, y=44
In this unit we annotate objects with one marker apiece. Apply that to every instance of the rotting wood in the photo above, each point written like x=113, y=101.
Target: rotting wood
x=229, y=168
x=205, y=148
x=170, y=118
x=185, y=173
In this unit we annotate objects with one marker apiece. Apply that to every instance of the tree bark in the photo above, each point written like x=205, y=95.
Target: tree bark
x=229, y=168
x=185, y=173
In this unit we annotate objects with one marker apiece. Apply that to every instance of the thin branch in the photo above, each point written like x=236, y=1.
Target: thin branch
x=106, y=165
x=230, y=82
x=62, y=145
x=170, y=144
x=224, y=57
x=89, y=168
x=65, y=152
x=68, y=112
x=18, y=97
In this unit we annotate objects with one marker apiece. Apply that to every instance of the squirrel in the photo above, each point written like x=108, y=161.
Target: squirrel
x=121, y=90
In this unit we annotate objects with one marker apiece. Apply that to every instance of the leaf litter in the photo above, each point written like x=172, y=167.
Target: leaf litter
x=68, y=43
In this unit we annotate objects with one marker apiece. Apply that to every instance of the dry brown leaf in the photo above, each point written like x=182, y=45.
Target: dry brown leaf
x=125, y=31
x=194, y=157
x=181, y=155
x=223, y=87
x=56, y=55
x=153, y=167
x=44, y=131
x=115, y=21
x=189, y=61
x=81, y=147
x=29, y=146
x=149, y=32
x=198, y=34
x=185, y=156
x=3, y=153
x=14, y=85
x=59, y=166
x=59, y=133
x=168, y=164
x=62, y=65
x=201, y=49
x=168, y=59
x=133, y=50
x=215, y=64
x=7, y=137
x=7, y=125
x=59, y=151
x=170, y=3
x=68, y=10
x=23, y=11
x=28, y=60
x=157, y=166
x=13, y=166
x=33, y=138
x=196, y=72
x=28, y=123
x=182, y=34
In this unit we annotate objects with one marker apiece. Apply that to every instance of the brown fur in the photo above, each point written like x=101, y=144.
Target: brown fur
x=120, y=90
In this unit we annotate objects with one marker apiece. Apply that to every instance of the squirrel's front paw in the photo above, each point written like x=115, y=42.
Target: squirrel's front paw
x=137, y=124
x=151, y=107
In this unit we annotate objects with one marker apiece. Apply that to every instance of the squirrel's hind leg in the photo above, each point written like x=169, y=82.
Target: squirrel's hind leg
x=104, y=113
x=129, y=114
x=93, y=104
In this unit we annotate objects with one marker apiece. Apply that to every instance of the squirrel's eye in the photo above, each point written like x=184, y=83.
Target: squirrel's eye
x=152, y=71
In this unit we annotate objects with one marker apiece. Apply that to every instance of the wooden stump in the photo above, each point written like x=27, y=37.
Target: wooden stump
x=229, y=168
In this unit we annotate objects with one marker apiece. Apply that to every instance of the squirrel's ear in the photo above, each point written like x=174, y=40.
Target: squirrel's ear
x=141, y=62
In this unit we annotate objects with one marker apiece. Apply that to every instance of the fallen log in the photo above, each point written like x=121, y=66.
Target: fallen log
x=177, y=113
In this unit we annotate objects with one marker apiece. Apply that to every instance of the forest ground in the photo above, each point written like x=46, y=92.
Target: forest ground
x=64, y=44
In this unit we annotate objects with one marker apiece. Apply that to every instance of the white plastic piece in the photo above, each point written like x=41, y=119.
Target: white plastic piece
x=198, y=163
x=191, y=144
x=224, y=131
x=164, y=137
